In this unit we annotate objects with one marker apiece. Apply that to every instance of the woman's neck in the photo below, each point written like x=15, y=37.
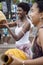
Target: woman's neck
x=23, y=18
x=40, y=24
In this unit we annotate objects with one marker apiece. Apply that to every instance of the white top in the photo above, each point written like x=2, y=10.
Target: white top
x=24, y=39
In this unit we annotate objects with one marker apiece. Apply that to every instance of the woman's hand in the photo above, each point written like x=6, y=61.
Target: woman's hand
x=5, y=25
x=16, y=61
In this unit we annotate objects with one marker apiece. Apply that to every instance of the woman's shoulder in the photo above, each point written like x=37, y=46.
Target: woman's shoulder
x=41, y=36
x=40, y=30
x=26, y=24
x=41, y=27
x=17, y=21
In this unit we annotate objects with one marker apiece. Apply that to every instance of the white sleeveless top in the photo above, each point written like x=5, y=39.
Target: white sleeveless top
x=24, y=39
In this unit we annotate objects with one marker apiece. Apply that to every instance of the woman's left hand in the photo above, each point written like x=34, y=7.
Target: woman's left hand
x=5, y=25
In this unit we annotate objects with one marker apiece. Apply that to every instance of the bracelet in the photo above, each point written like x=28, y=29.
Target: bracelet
x=23, y=63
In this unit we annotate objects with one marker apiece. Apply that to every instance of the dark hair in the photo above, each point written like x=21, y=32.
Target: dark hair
x=24, y=6
x=38, y=0
x=40, y=5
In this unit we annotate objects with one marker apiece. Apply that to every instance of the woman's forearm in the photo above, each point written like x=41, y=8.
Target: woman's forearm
x=13, y=35
x=12, y=24
x=38, y=61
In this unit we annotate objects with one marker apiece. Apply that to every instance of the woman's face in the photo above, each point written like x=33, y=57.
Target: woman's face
x=20, y=12
x=34, y=14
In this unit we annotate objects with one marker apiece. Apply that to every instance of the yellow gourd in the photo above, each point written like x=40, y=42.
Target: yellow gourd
x=17, y=53
x=2, y=18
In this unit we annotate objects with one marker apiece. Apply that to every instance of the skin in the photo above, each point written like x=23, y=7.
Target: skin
x=36, y=15
x=22, y=20
x=2, y=22
x=37, y=20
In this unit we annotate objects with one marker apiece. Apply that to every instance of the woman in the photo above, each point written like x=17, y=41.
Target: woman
x=37, y=19
x=22, y=25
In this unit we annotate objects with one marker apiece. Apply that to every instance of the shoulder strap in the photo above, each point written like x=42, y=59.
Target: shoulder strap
x=41, y=26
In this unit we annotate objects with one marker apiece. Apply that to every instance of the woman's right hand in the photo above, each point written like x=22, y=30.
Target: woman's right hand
x=15, y=61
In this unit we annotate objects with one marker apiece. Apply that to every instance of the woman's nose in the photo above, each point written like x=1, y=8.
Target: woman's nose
x=30, y=16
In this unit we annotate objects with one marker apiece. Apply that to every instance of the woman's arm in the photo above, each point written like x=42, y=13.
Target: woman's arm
x=25, y=28
x=12, y=24
x=41, y=37
x=38, y=61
